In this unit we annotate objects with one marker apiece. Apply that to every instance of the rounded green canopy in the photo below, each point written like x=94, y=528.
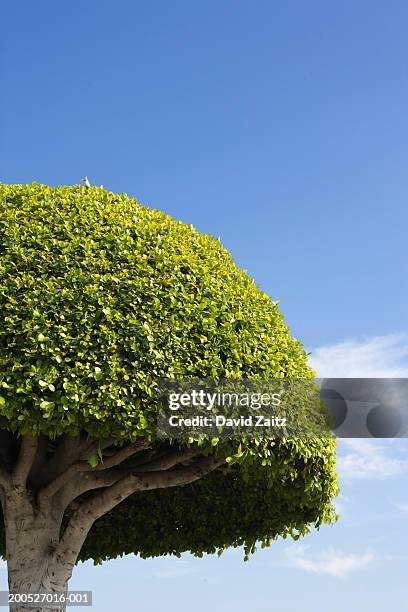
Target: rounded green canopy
x=100, y=297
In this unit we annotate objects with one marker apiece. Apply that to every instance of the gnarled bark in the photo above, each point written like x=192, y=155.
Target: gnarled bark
x=31, y=539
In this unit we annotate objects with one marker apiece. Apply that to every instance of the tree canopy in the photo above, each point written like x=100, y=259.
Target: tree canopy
x=100, y=297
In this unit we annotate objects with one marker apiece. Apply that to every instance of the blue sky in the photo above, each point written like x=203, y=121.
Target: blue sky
x=281, y=128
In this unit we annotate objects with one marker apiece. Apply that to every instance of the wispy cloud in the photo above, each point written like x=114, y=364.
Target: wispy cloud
x=402, y=507
x=172, y=568
x=368, y=458
x=330, y=562
x=379, y=357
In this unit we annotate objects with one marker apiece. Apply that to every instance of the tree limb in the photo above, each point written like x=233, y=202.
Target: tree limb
x=83, y=466
x=69, y=451
x=26, y=457
x=167, y=461
x=104, y=502
x=92, y=446
x=90, y=510
x=93, y=479
x=88, y=481
x=123, y=453
x=64, y=478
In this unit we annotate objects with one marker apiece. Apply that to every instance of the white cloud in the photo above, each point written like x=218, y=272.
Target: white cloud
x=379, y=357
x=330, y=562
x=369, y=458
x=402, y=507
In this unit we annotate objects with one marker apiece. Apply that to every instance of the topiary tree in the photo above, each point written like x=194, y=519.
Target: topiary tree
x=100, y=297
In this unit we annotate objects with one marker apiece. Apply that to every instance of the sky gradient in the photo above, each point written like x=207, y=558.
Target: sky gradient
x=281, y=128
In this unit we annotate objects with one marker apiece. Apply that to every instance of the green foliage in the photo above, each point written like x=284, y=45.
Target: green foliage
x=99, y=297
x=248, y=504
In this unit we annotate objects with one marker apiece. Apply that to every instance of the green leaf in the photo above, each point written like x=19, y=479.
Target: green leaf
x=93, y=460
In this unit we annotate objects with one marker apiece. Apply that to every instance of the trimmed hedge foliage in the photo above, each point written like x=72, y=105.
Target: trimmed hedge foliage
x=99, y=297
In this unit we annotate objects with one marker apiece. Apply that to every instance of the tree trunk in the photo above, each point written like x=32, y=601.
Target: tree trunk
x=31, y=539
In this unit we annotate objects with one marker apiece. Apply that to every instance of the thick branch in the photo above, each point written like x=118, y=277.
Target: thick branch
x=67, y=452
x=25, y=460
x=88, y=482
x=55, y=485
x=92, y=446
x=83, y=466
x=97, y=479
x=167, y=461
x=123, y=454
x=103, y=503
x=90, y=510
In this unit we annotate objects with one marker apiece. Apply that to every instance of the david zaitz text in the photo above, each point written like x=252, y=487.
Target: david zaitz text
x=220, y=420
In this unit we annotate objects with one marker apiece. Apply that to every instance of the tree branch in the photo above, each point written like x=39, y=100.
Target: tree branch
x=26, y=457
x=93, y=479
x=92, y=446
x=88, y=481
x=92, y=509
x=123, y=453
x=167, y=461
x=64, y=478
x=83, y=466
x=69, y=451
x=104, y=502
